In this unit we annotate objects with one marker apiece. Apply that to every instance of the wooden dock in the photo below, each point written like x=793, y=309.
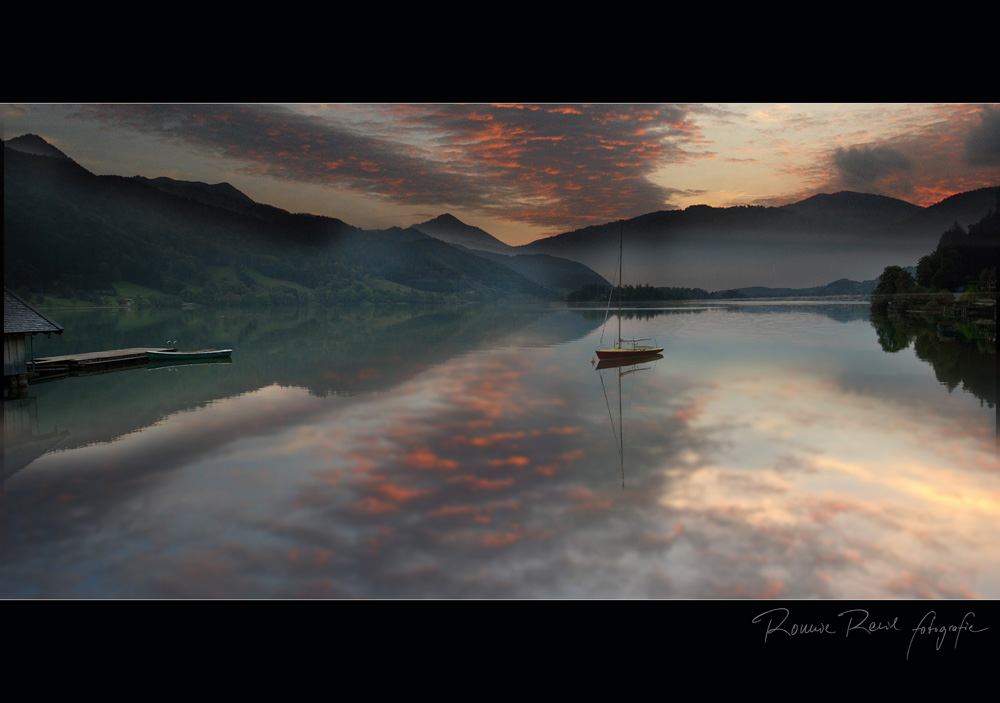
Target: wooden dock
x=93, y=362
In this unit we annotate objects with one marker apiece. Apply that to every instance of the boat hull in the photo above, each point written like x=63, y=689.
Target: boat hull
x=630, y=353
x=188, y=355
x=627, y=361
x=174, y=363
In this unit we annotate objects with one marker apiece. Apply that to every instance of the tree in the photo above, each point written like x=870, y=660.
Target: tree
x=948, y=275
x=892, y=277
x=962, y=257
x=894, y=283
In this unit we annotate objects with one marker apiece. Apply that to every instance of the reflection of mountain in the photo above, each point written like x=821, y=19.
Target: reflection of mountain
x=841, y=312
x=965, y=356
x=18, y=453
x=23, y=440
x=327, y=352
x=598, y=315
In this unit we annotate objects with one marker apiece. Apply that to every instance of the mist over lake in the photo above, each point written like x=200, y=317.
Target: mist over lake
x=779, y=449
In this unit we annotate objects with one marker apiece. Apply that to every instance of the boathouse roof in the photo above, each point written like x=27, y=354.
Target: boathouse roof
x=20, y=318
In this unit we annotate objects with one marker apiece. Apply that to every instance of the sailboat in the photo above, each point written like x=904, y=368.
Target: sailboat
x=625, y=348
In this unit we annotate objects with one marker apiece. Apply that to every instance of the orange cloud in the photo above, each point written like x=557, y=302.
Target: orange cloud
x=773, y=589
x=501, y=539
x=492, y=439
x=456, y=510
x=691, y=412
x=562, y=462
x=511, y=461
x=496, y=437
x=564, y=430
x=914, y=585
x=664, y=540
x=374, y=506
x=482, y=484
x=425, y=458
x=400, y=494
x=586, y=500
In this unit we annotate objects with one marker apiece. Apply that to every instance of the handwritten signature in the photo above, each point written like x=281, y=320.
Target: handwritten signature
x=942, y=631
x=778, y=621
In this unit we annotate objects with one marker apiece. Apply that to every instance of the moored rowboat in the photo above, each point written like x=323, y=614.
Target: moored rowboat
x=186, y=355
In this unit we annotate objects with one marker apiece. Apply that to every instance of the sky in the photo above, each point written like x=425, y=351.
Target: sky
x=526, y=171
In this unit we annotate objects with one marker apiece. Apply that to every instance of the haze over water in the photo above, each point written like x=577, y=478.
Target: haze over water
x=777, y=450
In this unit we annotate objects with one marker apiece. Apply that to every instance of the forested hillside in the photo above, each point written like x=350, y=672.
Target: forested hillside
x=963, y=261
x=72, y=233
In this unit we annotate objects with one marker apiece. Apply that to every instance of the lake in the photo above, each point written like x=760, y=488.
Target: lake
x=779, y=449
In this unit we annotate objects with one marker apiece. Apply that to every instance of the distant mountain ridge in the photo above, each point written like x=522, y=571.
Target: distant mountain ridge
x=221, y=195
x=450, y=229
x=854, y=209
x=545, y=269
x=823, y=238
x=66, y=228
x=33, y=144
x=61, y=220
x=842, y=288
x=834, y=232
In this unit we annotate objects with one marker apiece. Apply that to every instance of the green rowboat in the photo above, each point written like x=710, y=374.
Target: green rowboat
x=188, y=355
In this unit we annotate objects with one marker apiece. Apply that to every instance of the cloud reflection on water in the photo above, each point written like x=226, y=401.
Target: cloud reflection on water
x=868, y=498
x=497, y=475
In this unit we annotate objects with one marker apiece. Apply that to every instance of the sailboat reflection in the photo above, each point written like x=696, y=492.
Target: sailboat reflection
x=624, y=367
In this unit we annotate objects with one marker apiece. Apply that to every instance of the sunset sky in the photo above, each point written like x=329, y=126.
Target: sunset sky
x=522, y=172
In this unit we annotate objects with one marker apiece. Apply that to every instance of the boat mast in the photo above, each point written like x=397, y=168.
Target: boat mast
x=621, y=283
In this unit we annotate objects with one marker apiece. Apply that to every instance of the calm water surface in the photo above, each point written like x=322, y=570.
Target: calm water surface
x=789, y=450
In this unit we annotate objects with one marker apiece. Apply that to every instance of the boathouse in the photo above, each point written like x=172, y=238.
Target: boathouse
x=20, y=322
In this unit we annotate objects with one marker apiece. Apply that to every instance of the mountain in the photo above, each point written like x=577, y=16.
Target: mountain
x=963, y=209
x=544, y=269
x=222, y=195
x=857, y=210
x=805, y=244
x=33, y=144
x=449, y=228
x=69, y=230
x=839, y=288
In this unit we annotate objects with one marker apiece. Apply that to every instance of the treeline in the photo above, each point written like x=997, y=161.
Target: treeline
x=599, y=293
x=964, y=262
x=595, y=293
x=963, y=259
